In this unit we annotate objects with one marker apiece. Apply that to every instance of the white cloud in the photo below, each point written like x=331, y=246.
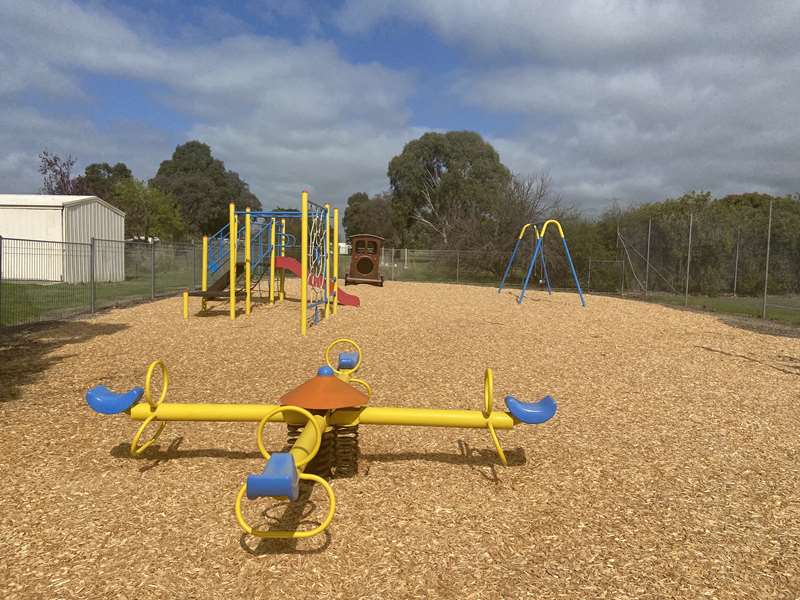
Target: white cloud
x=628, y=99
x=285, y=116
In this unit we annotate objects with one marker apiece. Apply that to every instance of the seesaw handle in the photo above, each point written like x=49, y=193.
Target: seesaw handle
x=488, y=392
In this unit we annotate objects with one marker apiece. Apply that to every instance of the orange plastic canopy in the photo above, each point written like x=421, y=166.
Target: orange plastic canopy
x=324, y=392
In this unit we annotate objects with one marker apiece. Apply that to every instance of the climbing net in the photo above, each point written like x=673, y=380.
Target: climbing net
x=317, y=261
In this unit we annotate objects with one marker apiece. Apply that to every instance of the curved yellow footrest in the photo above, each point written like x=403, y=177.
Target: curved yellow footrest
x=136, y=449
x=281, y=534
x=488, y=393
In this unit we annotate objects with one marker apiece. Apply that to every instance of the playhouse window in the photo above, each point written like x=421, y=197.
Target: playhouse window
x=372, y=248
x=360, y=245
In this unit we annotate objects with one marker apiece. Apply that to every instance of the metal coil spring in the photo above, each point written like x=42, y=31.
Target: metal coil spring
x=322, y=463
x=346, y=450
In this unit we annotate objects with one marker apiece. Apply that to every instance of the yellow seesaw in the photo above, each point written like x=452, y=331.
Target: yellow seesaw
x=322, y=414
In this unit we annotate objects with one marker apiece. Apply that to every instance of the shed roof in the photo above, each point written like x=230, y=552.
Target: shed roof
x=46, y=201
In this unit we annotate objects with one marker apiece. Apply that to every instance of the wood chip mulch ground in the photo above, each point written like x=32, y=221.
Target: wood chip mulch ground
x=672, y=469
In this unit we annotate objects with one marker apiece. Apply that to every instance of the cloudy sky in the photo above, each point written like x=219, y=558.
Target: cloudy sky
x=632, y=100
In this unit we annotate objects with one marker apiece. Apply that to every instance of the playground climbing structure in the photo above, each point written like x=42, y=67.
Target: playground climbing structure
x=252, y=247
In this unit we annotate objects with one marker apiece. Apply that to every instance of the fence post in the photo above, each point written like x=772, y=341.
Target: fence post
x=92, y=262
x=622, y=264
x=589, y=277
x=392, y=264
x=736, y=260
x=688, y=260
x=458, y=266
x=766, y=265
x=647, y=260
x=405, y=261
x=152, y=269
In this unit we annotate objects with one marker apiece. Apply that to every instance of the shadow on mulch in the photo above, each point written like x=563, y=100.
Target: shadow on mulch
x=156, y=456
x=475, y=459
x=783, y=363
x=25, y=353
x=761, y=326
x=466, y=456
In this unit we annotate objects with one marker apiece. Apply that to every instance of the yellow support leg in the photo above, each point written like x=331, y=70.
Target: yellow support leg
x=304, y=264
x=272, y=262
x=335, y=259
x=232, y=231
x=327, y=294
x=247, y=262
x=204, y=274
x=283, y=253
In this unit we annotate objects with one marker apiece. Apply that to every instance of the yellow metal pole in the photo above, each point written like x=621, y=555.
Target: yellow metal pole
x=204, y=274
x=327, y=261
x=370, y=415
x=306, y=441
x=335, y=259
x=272, y=262
x=283, y=253
x=232, y=253
x=185, y=305
x=304, y=263
x=247, y=261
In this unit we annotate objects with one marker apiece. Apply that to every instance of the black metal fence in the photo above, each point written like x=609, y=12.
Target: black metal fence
x=44, y=281
x=701, y=260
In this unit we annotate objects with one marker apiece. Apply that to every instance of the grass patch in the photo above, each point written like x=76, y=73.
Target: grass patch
x=22, y=302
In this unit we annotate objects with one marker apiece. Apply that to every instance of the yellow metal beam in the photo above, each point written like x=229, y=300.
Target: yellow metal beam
x=370, y=415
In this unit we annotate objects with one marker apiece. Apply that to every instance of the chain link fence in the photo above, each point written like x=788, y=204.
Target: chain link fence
x=703, y=259
x=714, y=263
x=45, y=281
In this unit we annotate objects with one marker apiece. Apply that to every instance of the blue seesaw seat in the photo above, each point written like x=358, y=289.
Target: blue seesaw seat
x=279, y=478
x=348, y=360
x=104, y=401
x=531, y=413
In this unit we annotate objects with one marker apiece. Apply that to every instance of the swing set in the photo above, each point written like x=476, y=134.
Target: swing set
x=538, y=252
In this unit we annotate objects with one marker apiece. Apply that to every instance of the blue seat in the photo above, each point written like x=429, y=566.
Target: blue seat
x=348, y=360
x=532, y=413
x=104, y=401
x=279, y=478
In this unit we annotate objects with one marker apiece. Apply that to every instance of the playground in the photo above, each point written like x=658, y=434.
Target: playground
x=669, y=470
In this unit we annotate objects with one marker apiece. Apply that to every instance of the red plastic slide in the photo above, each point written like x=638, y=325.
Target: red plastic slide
x=291, y=264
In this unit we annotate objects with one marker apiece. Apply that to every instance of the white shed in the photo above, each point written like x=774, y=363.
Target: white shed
x=46, y=238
